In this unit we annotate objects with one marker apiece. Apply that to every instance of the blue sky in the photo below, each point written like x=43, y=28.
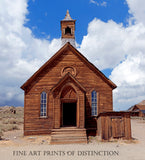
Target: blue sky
x=44, y=16
x=110, y=33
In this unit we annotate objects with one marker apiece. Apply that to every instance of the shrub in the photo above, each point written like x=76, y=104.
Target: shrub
x=9, y=127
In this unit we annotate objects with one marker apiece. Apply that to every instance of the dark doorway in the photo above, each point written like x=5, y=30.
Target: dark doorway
x=69, y=114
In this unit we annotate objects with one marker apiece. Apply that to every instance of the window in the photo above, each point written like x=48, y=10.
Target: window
x=94, y=103
x=43, y=104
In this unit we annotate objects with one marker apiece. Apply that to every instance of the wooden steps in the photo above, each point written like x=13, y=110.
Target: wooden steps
x=68, y=135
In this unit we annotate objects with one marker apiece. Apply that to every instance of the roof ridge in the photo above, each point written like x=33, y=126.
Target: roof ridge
x=81, y=56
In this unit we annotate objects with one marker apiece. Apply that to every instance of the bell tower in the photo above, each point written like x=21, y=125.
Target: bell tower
x=68, y=30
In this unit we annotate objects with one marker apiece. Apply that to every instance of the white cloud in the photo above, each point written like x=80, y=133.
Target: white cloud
x=107, y=45
x=21, y=54
x=130, y=74
x=130, y=78
x=112, y=45
x=102, y=43
x=130, y=71
x=103, y=3
x=137, y=9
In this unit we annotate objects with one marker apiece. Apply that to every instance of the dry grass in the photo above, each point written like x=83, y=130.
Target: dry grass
x=10, y=118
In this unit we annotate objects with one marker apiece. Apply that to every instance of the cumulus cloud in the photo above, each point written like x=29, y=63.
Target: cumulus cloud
x=21, y=54
x=137, y=10
x=130, y=74
x=112, y=45
x=103, y=42
x=130, y=78
x=108, y=43
x=133, y=71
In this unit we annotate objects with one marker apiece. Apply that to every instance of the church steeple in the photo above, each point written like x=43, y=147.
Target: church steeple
x=68, y=29
x=67, y=16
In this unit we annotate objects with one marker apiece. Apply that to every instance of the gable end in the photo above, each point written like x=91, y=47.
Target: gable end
x=81, y=57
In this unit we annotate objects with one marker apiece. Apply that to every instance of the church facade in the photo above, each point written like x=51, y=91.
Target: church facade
x=65, y=96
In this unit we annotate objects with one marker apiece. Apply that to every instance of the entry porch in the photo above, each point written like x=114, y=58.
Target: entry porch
x=69, y=111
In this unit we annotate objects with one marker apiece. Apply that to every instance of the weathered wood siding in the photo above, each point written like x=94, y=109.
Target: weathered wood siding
x=114, y=125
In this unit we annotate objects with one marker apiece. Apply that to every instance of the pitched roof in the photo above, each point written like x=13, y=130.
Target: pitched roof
x=76, y=52
x=137, y=108
x=131, y=108
x=142, y=103
x=68, y=17
x=140, y=107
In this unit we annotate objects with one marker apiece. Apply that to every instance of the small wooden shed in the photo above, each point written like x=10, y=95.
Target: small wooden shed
x=114, y=125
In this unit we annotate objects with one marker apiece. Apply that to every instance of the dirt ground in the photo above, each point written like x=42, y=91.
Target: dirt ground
x=17, y=147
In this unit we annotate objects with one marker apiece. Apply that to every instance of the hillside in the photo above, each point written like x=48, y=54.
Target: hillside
x=10, y=118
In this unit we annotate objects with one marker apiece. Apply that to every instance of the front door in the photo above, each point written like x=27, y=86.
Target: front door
x=69, y=114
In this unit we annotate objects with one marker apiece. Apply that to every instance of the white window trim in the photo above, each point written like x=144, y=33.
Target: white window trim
x=93, y=110
x=43, y=115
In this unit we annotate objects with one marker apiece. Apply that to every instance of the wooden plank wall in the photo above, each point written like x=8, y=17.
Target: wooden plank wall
x=114, y=125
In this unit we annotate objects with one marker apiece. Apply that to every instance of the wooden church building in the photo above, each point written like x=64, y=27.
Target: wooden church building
x=66, y=96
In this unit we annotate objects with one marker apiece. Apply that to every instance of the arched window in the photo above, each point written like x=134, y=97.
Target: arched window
x=43, y=104
x=68, y=30
x=94, y=103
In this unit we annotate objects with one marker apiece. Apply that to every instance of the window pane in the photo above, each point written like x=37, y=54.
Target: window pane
x=44, y=108
x=94, y=102
x=44, y=95
x=43, y=104
x=44, y=101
